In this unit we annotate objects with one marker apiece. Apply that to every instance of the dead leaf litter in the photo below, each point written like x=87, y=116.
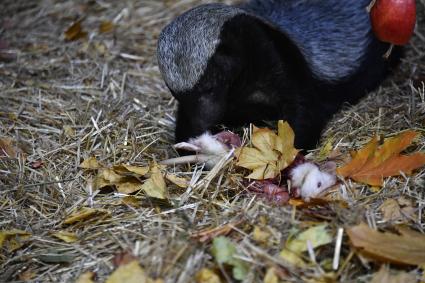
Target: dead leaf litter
x=86, y=121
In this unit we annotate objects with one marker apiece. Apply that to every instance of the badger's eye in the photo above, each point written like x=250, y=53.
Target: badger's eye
x=319, y=184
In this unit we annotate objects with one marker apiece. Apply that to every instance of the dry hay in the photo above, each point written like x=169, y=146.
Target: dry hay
x=62, y=102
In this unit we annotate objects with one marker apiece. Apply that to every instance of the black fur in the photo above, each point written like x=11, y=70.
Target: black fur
x=257, y=72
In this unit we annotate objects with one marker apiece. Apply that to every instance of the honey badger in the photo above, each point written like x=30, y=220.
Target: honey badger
x=295, y=60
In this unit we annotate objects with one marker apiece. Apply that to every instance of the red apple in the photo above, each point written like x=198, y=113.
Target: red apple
x=393, y=21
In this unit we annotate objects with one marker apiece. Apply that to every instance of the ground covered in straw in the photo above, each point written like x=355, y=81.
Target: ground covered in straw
x=62, y=102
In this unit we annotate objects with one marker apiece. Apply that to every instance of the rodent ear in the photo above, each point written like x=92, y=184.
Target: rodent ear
x=328, y=167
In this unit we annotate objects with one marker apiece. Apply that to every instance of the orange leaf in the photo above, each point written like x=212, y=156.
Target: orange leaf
x=390, y=167
x=360, y=158
x=372, y=163
x=406, y=248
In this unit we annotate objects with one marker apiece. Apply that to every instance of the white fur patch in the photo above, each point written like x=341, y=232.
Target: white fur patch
x=310, y=180
x=207, y=145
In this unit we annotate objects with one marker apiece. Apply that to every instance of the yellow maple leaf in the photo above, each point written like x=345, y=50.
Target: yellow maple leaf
x=271, y=153
x=372, y=163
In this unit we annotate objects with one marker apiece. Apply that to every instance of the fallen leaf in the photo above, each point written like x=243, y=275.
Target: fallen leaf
x=86, y=277
x=8, y=148
x=11, y=236
x=130, y=273
x=155, y=186
x=132, y=201
x=372, y=163
x=385, y=276
x=271, y=153
x=85, y=214
x=178, y=181
x=206, y=275
x=125, y=169
x=69, y=131
x=210, y=233
x=325, y=150
x=395, y=210
x=224, y=252
x=111, y=176
x=67, y=237
x=317, y=235
x=128, y=185
x=271, y=276
x=27, y=275
x=329, y=277
x=106, y=26
x=75, y=32
x=260, y=235
x=406, y=248
x=91, y=163
x=390, y=210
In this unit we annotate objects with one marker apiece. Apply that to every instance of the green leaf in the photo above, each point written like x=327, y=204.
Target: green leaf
x=224, y=252
x=317, y=235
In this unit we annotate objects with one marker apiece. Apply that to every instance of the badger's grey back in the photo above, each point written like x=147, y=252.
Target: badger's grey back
x=332, y=34
x=186, y=45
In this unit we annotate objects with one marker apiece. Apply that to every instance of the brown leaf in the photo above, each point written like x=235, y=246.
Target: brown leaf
x=155, y=186
x=211, y=233
x=8, y=148
x=407, y=248
x=91, y=163
x=132, y=201
x=86, y=213
x=393, y=210
x=27, y=275
x=125, y=169
x=178, y=181
x=128, y=185
x=385, y=276
x=75, y=32
x=372, y=163
x=106, y=26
